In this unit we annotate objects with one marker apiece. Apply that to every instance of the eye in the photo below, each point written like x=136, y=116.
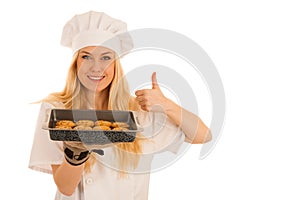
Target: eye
x=105, y=58
x=86, y=57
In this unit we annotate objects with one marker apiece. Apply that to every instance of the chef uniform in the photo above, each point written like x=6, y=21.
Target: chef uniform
x=104, y=181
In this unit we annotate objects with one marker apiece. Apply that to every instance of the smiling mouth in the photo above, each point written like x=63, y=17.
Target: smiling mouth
x=95, y=78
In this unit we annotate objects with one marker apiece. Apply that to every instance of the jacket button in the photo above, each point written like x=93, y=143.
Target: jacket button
x=89, y=181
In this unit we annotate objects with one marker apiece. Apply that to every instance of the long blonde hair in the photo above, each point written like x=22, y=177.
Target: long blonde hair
x=72, y=97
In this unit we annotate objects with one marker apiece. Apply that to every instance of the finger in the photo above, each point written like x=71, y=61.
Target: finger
x=139, y=98
x=142, y=92
x=139, y=92
x=154, y=81
x=141, y=101
x=145, y=107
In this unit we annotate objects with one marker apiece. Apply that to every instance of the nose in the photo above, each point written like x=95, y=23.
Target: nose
x=97, y=66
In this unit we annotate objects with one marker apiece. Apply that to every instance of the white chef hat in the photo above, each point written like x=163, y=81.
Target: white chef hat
x=96, y=29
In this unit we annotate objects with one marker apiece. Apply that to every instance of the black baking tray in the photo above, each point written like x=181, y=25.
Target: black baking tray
x=92, y=136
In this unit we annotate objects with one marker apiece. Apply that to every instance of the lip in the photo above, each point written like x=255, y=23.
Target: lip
x=95, y=78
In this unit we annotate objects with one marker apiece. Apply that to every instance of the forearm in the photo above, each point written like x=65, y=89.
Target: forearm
x=193, y=127
x=67, y=177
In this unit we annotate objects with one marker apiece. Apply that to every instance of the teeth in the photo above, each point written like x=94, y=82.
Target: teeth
x=96, y=78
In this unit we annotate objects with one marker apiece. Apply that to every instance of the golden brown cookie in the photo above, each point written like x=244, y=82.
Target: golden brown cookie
x=65, y=123
x=102, y=128
x=89, y=123
x=120, y=124
x=82, y=128
x=63, y=127
x=120, y=129
x=102, y=123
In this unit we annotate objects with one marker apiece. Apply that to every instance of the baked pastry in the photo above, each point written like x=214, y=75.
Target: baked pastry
x=65, y=123
x=120, y=129
x=63, y=127
x=80, y=127
x=103, y=123
x=120, y=124
x=102, y=128
x=89, y=123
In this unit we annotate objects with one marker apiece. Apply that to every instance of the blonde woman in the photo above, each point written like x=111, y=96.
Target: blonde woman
x=96, y=81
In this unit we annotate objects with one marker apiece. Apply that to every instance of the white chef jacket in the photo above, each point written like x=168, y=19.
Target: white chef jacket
x=104, y=182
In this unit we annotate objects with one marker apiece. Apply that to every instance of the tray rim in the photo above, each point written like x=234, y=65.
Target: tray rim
x=138, y=127
x=68, y=130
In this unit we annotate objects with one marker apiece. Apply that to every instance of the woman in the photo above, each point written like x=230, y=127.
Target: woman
x=96, y=81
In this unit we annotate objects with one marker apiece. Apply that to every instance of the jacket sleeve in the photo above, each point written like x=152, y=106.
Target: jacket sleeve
x=74, y=196
x=44, y=152
x=162, y=134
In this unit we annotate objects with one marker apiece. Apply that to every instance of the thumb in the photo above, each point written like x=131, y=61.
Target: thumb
x=154, y=81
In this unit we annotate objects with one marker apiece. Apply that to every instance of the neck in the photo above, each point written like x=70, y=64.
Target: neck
x=101, y=100
x=98, y=100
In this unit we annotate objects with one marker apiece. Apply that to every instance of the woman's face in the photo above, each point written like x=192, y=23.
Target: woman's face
x=95, y=67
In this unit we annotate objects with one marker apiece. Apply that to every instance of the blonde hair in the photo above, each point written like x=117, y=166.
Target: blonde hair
x=72, y=97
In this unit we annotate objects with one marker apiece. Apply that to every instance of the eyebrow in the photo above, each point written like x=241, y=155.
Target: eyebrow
x=86, y=52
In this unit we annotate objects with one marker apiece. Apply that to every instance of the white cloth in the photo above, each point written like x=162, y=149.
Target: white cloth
x=96, y=29
x=103, y=182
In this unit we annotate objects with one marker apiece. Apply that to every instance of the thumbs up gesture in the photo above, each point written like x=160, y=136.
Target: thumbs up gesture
x=152, y=99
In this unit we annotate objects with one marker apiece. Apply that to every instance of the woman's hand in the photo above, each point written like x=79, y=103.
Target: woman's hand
x=193, y=127
x=77, y=153
x=152, y=99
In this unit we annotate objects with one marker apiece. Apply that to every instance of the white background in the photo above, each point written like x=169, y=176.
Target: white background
x=255, y=46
